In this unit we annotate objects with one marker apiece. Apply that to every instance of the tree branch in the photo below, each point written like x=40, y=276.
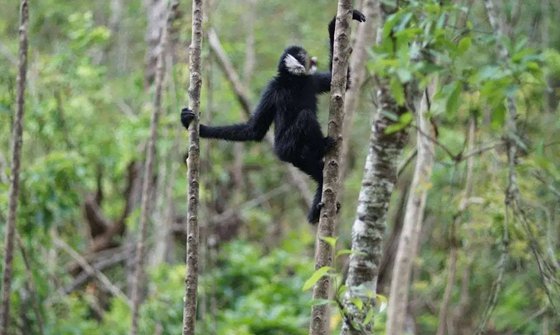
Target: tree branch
x=331, y=186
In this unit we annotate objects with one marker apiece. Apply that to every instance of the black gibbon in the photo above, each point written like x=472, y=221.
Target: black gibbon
x=290, y=101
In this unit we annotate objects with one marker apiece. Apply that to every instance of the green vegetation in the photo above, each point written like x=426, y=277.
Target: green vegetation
x=86, y=126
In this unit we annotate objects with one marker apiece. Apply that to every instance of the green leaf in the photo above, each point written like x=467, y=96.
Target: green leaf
x=320, y=302
x=404, y=75
x=358, y=303
x=464, y=45
x=453, y=100
x=369, y=316
x=330, y=240
x=343, y=252
x=397, y=90
x=381, y=302
x=403, y=122
x=318, y=274
x=342, y=289
x=406, y=118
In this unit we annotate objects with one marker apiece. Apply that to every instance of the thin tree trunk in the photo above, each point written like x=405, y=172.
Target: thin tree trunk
x=138, y=279
x=512, y=191
x=31, y=287
x=408, y=244
x=324, y=250
x=17, y=142
x=452, y=261
x=155, y=10
x=365, y=37
x=193, y=162
x=250, y=57
x=380, y=174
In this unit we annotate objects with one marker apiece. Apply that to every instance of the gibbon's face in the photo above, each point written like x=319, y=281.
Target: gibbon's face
x=297, y=62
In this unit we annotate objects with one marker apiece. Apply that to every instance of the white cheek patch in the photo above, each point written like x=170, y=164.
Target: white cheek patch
x=293, y=65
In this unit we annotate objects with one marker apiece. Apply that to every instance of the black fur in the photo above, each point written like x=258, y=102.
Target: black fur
x=290, y=101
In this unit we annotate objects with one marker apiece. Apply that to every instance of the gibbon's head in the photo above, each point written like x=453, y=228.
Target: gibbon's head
x=295, y=61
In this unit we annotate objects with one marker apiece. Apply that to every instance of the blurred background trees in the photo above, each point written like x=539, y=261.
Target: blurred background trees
x=88, y=107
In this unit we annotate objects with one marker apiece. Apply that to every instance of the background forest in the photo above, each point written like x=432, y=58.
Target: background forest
x=485, y=247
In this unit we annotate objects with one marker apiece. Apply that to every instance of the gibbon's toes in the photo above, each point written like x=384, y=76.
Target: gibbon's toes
x=187, y=116
x=314, y=212
x=358, y=16
x=313, y=216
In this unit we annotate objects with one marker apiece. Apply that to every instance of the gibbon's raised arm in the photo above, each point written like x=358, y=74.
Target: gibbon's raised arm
x=323, y=79
x=253, y=130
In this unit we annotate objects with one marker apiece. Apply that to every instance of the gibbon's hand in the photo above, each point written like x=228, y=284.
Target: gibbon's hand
x=187, y=116
x=358, y=16
x=329, y=143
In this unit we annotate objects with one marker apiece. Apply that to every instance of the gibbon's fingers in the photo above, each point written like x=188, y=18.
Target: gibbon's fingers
x=358, y=16
x=187, y=116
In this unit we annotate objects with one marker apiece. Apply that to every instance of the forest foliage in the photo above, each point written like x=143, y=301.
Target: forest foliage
x=87, y=122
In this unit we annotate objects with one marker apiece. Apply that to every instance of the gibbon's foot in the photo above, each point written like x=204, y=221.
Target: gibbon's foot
x=187, y=116
x=313, y=216
x=358, y=16
x=314, y=212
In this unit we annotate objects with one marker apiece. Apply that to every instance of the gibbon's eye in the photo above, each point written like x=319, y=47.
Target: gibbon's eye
x=293, y=65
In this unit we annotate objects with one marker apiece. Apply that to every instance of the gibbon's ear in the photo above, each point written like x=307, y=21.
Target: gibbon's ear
x=293, y=65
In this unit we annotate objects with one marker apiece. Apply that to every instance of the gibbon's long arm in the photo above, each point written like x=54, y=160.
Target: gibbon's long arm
x=323, y=79
x=253, y=130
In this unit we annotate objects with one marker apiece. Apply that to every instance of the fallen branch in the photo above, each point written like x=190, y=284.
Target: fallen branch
x=106, y=283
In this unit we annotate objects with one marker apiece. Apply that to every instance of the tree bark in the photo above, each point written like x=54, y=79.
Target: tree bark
x=453, y=253
x=193, y=163
x=324, y=250
x=138, y=279
x=408, y=245
x=155, y=10
x=380, y=174
x=512, y=191
x=17, y=141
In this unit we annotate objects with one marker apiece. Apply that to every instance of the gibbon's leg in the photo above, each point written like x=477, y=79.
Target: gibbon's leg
x=314, y=168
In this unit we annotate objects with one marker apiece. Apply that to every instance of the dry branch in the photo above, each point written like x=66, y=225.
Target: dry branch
x=138, y=278
x=193, y=163
x=107, y=284
x=452, y=260
x=512, y=192
x=410, y=235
